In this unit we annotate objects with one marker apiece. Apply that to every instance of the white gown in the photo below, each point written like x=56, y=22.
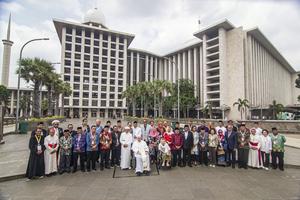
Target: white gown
x=141, y=153
x=51, y=143
x=125, y=138
x=254, y=154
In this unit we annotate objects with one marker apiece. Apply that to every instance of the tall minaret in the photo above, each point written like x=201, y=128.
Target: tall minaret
x=6, y=55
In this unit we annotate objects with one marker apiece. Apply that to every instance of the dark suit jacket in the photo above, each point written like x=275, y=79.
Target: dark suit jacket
x=114, y=137
x=231, y=141
x=189, y=141
x=45, y=133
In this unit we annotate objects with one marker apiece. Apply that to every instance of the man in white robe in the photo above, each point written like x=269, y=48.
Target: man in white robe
x=141, y=153
x=126, y=141
x=51, y=143
x=254, y=159
x=136, y=130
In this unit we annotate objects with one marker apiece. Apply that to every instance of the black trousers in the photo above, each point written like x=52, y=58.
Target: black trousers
x=265, y=159
x=176, y=154
x=187, y=156
x=91, y=158
x=115, y=156
x=82, y=158
x=105, y=158
x=203, y=157
x=243, y=155
x=64, y=163
x=277, y=156
x=230, y=155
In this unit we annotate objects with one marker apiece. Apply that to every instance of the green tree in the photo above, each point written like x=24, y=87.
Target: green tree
x=50, y=81
x=187, y=98
x=4, y=96
x=276, y=108
x=158, y=88
x=66, y=92
x=25, y=103
x=44, y=106
x=35, y=70
x=243, y=105
x=131, y=94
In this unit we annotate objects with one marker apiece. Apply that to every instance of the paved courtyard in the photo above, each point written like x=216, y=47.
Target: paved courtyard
x=177, y=183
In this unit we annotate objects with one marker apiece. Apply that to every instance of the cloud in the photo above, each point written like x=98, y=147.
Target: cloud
x=160, y=26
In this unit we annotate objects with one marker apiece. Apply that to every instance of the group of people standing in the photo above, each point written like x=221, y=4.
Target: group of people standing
x=137, y=146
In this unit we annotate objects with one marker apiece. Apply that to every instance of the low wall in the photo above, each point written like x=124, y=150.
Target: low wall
x=284, y=126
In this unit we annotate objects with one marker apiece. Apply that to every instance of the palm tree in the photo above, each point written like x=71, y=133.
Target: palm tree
x=66, y=92
x=4, y=96
x=25, y=103
x=242, y=104
x=276, y=108
x=208, y=109
x=159, y=87
x=131, y=94
x=35, y=70
x=50, y=80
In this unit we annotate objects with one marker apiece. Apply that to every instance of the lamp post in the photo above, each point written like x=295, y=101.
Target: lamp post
x=178, y=91
x=154, y=107
x=18, y=91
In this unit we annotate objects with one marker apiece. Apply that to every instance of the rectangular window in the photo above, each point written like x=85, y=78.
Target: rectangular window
x=78, y=48
x=87, y=49
x=112, y=96
x=67, y=55
x=85, y=102
x=105, y=44
x=121, y=62
x=77, y=63
x=69, y=38
x=66, y=78
x=103, y=95
x=78, y=40
x=87, y=41
x=120, y=89
x=95, y=66
x=96, y=50
x=111, y=103
x=104, y=60
x=94, y=95
x=103, y=88
x=87, y=57
x=120, y=82
x=95, y=87
x=86, y=87
x=96, y=43
x=104, y=67
x=103, y=103
x=76, y=71
x=103, y=81
x=95, y=80
x=120, y=103
x=120, y=69
x=105, y=36
x=86, y=65
x=111, y=89
x=112, y=68
x=66, y=102
x=87, y=33
x=94, y=103
x=68, y=62
x=95, y=73
x=75, y=102
x=121, y=47
x=96, y=35
x=104, y=52
x=76, y=86
x=68, y=46
x=120, y=75
x=121, y=55
x=77, y=56
x=104, y=74
x=96, y=58
x=112, y=81
x=85, y=95
x=75, y=94
x=112, y=74
x=78, y=32
x=76, y=78
x=121, y=40
x=113, y=61
x=69, y=30
x=113, y=53
x=86, y=72
x=67, y=70
x=113, y=38
x=113, y=46
x=86, y=79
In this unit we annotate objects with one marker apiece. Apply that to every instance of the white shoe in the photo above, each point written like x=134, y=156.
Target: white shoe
x=210, y=165
x=213, y=165
x=266, y=168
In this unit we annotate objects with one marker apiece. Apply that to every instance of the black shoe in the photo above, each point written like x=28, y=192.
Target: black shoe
x=281, y=169
x=239, y=166
x=233, y=166
x=88, y=170
x=101, y=168
x=190, y=165
x=74, y=171
x=138, y=173
x=107, y=167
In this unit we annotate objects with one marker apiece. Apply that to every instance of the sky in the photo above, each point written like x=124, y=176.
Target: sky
x=159, y=26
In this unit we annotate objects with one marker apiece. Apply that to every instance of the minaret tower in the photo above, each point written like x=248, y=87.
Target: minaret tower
x=6, y=55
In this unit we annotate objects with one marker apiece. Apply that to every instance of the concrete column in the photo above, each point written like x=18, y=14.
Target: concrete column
x=174, y=69
x=147, y=68
x=184, y=65
x=195, y=81
x=203, y=56
x=12, y=102
x=138, y=67
x=156, y=68
x=151, y=68
x=189, y=64
x=179, y=65
x=131, y=69
x=106, y=113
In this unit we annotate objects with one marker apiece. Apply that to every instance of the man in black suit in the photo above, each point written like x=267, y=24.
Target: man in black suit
x=115, y=146
x=41, y=126
x=231, y=145
x=58, y=131
x=188, y=141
